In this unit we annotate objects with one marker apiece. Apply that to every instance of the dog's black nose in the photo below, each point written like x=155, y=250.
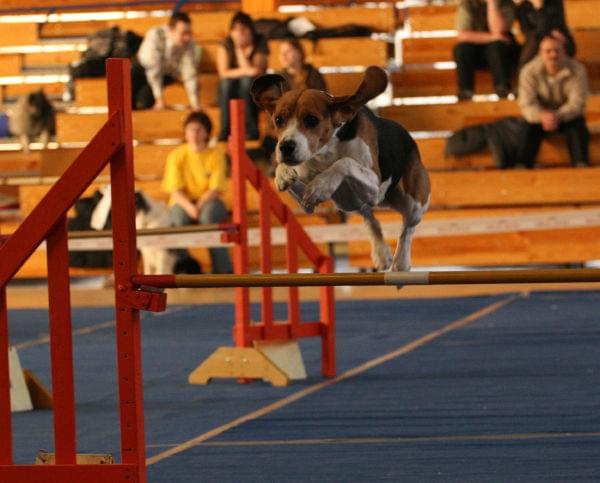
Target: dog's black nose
x=287, y=148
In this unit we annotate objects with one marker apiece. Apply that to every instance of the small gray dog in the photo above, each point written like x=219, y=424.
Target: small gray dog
x=32, y=118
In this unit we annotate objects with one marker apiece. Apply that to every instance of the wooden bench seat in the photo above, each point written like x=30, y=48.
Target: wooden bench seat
x=427, y=50
x=579, y=14
x=553, y=153
x=213, y=26
x=464, y=195
x=411, y=81
x=451, y=117
x=92, y=92
x=555, y=246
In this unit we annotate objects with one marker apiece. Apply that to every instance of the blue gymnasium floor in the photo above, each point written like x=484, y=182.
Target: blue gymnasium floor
x=509, y=392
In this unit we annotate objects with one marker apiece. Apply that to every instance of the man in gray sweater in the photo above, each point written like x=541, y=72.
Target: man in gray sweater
x=169, y=53
x=553, y=90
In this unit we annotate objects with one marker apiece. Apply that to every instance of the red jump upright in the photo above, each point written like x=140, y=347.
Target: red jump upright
x=47, y=222
x=245, y=331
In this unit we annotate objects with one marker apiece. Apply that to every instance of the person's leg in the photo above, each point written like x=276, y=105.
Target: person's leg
x=251, y=108
x=228, y=89
x=466, y=56
x=180, y=218
x=215, y=212
x=141, y=93
x=532, y=137
x=578, y=138
x=498, y=59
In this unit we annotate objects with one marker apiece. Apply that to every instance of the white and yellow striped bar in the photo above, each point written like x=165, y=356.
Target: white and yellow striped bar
x=456, y=277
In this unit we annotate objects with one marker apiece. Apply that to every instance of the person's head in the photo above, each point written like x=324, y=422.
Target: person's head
x=242, y=30
x=196, y=129
x=180, y=29
x=291, y=54
x=552, y=53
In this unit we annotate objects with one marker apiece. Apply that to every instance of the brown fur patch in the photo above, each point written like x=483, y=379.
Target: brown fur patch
x=367, y=132
x=416, y=180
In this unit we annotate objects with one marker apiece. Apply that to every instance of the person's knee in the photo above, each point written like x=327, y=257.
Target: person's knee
x=462, y=51
x=179, y=217
x=213, y=212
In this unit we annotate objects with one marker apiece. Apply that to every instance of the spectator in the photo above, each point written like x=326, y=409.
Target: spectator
x=241, y=57
x=484, y=41
x=538, y=17
x=195, y=177
x=295, y=70
x=553, y=90
x=167, y=53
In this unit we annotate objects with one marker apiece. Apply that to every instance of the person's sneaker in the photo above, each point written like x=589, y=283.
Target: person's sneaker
x=465, y=94
x=581, y=164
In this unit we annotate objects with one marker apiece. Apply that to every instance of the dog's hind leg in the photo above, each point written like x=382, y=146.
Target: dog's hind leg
x=411, y=198
x=380, y=252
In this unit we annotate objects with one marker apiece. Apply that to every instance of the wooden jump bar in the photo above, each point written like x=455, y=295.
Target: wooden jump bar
x=458, y=277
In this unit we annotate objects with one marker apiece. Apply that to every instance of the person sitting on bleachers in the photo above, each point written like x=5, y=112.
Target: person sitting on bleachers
x=536, y=17
x=195, y=178
x=553, y=90
x=295, y=70
x=167, y=53
x=241, y=57
x=484, y=41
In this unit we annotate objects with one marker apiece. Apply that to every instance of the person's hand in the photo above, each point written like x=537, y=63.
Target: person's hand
x=159, y=104
x=549, y=121
x=193, y=212
x=558, y=35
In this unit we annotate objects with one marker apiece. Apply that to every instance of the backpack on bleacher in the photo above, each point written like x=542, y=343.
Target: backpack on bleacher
x=111, y=42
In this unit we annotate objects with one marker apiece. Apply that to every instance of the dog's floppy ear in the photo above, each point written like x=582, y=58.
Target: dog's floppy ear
x=266, y=89
x=374, y=83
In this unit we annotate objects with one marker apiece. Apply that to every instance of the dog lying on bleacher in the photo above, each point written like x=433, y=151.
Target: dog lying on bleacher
x=335, y=148
x=32, y=118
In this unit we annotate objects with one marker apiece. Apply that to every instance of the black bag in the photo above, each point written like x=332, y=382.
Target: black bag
x=84, y=207
x=111, y=42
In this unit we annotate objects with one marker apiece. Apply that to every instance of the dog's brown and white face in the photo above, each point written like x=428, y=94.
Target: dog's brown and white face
x=306, y=119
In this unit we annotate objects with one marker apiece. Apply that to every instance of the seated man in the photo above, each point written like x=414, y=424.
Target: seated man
x=195, y=177
x=484, y=41
x=553, y=91
x=167, y=53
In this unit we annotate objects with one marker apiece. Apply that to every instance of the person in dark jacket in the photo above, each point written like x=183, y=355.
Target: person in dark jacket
x=241, y=57
x=538, y=18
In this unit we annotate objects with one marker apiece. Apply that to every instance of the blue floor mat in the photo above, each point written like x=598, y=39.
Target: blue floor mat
x=530, y=367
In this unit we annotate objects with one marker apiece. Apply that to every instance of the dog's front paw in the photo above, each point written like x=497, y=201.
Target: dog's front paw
x=284, y=177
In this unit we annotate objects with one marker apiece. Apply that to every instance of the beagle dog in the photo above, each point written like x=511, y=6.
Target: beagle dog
x=335, y=148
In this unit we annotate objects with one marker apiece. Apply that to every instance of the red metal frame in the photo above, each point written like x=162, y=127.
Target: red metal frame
x=112, y=144
x=245, y=331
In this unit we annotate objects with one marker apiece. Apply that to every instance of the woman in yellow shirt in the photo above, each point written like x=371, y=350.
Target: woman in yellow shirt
x=195, y=177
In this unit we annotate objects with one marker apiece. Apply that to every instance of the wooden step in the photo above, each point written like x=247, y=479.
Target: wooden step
x=443, y=17
x=213, y=26
x=553, y=152
x=557, y=246
x=411, y=81
x=451, y=117
x=427, y=50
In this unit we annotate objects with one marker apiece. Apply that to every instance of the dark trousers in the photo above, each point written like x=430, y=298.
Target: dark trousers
x=141, y=92
x=497, y=57
x=213, y=212
x=237, y=89
x=577, y=135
